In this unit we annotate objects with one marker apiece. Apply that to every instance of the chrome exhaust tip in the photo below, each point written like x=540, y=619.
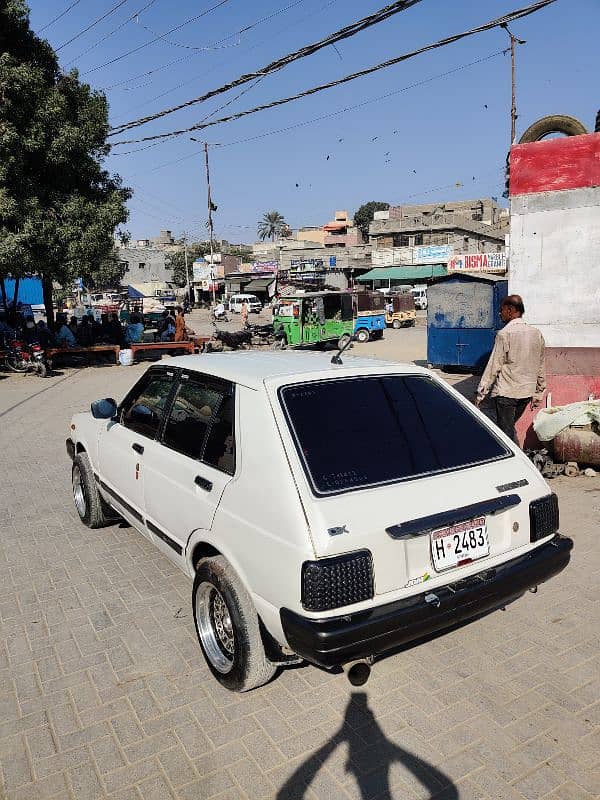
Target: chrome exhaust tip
x=358, y=672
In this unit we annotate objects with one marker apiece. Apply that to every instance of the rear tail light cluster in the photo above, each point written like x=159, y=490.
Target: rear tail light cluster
x=336, y=582
x=543, y=517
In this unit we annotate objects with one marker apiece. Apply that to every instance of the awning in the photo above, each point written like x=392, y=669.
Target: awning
x=404, y=273
x=259, y=284
x=134, y=293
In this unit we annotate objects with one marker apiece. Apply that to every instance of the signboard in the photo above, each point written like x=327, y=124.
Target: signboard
x=306, y=264
x=201, y=270
x=332, y=261
x=432, y=254
x=478, y=262
x=265, y=266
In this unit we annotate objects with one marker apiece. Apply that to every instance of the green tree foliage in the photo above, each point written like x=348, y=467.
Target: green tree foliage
x=271, y=226
x=176, y=259
x=364, y=215
x=58, y=206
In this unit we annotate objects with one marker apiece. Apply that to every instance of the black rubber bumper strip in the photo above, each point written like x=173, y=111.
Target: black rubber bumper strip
x=332, y=641
x=164, y=537
x=130, y=509
x=423, y=525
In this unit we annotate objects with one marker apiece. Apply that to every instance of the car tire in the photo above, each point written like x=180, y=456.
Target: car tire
x=343, y=340
x=92, y=509
x=228, y=628
x=396, y=324
x=554, y=123
x=362, y=336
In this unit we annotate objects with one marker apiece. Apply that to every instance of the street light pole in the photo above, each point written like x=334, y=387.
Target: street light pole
x=513, y=107
x=210, y=222
x=187, y=271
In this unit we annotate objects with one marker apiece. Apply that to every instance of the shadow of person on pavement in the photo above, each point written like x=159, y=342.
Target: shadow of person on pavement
x=370, y=757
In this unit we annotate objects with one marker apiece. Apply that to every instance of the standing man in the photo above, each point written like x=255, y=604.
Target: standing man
x=515, y=374
x=244, y=314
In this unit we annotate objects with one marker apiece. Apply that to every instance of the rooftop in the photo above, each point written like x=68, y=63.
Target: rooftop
x=251, y=369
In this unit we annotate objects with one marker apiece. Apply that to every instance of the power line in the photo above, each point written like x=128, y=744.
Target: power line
x=93, y=24
x=347, y=78
x=343, y=33
x=157, y=38
x=245, y=29
x=59, y=16
x=114, y=30
x=182, y=59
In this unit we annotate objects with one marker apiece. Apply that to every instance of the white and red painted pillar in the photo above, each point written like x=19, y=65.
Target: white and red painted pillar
x=555, y=260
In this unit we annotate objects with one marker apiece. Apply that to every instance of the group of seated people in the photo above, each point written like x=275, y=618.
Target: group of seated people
x=87, y=331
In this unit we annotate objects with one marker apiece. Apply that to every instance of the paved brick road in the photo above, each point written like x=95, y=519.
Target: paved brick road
x=103, y=691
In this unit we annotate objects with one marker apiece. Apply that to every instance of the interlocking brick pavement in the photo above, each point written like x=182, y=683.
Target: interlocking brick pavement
x=104, y=692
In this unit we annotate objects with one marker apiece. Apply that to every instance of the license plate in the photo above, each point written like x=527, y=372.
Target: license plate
x=459, y=544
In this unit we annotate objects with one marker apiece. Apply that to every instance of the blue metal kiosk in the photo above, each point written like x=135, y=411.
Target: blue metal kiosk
x=463, y=315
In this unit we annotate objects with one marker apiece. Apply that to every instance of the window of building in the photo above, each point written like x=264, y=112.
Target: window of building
x=142, y=264
x=418, y=238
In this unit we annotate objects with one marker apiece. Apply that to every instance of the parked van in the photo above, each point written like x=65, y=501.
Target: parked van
x=236, y=301
x=420, y=295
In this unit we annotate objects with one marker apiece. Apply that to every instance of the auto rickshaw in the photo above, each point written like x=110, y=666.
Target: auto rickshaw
x=402, y=313
x=369, y=315
x=313, y=318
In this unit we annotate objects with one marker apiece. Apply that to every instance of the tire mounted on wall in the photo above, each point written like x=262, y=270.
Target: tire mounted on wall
x=554, y=123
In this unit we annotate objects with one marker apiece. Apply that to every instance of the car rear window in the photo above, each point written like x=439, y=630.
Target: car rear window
x=357, y=432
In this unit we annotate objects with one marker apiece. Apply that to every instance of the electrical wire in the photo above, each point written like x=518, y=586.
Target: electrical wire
x=343, y=33
x=93, y=24
x=193, y=55
x=157, y=38
x=500, y=21
x=59, y=16
x=215, y=45
x=114, y=30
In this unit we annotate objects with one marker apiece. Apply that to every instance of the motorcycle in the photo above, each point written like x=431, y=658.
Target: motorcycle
x=261, y=334
x=220, y=317
x=23, y=357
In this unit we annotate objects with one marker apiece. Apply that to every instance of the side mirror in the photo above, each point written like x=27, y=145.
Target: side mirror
x=104, y=409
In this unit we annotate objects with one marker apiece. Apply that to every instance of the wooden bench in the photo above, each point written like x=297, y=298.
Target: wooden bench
x=51, y=352
x=151, y=347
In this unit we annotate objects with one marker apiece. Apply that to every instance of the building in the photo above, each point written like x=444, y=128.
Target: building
x=164, y=241
x=341, y=232
x=143, y=264
x=416, y=243
x=554, y=246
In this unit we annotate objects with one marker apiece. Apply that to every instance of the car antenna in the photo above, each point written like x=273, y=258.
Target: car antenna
x=335, y=358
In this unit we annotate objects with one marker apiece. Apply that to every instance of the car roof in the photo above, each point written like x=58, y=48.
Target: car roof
x=252, y=369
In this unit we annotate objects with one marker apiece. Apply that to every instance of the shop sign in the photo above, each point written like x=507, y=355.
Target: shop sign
x=432, y=254
x=478, y=262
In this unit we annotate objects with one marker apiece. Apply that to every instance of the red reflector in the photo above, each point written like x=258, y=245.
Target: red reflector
x=464, y=561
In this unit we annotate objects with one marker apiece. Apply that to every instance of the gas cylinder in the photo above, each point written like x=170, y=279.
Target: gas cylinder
x=578, y=444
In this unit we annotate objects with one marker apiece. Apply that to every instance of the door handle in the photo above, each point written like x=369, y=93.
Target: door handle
x=203, y=483
x=137, y=447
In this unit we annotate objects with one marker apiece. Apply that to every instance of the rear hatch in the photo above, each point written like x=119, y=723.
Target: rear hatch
x=401, y=466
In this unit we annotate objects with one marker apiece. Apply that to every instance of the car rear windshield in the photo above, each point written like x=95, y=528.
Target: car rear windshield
x=357, y=432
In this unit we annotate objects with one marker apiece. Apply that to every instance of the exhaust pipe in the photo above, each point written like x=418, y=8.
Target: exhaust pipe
x=358, y=672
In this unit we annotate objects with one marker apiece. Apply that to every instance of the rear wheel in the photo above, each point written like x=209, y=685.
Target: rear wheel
x=228, y=628
x=343, y=341
x=396, y=324
x=362, y=335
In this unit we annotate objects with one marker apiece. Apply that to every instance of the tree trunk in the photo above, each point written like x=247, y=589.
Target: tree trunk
x=47, y=291
x=4, y=300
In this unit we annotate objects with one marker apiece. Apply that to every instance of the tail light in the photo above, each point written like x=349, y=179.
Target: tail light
x=543, y=517
x=336, y=582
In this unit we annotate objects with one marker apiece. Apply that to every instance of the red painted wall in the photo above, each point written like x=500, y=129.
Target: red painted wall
x=571, y=162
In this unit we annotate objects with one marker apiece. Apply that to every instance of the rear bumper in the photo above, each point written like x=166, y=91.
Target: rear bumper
x=337, y=640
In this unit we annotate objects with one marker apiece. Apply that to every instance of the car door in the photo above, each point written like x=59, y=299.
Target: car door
x=123, y=445
x=186, y=471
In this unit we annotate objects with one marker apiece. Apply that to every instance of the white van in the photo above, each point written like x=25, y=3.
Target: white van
x=420, y=295
x=236, y=302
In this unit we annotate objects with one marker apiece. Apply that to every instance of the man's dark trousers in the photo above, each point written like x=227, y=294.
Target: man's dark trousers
x=508, y=411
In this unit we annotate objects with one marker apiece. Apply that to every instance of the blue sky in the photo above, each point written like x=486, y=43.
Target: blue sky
x=413, y=146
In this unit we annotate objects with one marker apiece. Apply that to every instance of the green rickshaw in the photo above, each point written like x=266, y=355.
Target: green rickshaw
x=313, y=319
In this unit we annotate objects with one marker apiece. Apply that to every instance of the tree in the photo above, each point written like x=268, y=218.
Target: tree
x=176, y=258
x=364, y=215
x=272, y=224
x=58, y=206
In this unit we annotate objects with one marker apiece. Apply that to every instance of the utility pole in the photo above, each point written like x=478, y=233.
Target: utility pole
x=513, y=108
x=210, y=222
x=187, y=271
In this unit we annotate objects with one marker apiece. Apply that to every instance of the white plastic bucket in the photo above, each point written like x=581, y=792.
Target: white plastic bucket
x=125, y=358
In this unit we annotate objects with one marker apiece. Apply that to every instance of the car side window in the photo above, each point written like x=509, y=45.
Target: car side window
x=194, y=408
x=143, y=411
x=219, y=451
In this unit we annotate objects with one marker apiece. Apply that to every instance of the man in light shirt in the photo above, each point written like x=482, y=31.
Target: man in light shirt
x=515, y=374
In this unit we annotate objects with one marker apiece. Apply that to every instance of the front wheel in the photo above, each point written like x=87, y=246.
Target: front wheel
x=42, y=369
x=228, y=628
x=343, y=341
x=92, y=509
x=362, y=335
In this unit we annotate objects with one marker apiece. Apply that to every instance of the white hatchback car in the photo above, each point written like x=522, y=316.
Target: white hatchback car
x=236, y=301
x=309, y=534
